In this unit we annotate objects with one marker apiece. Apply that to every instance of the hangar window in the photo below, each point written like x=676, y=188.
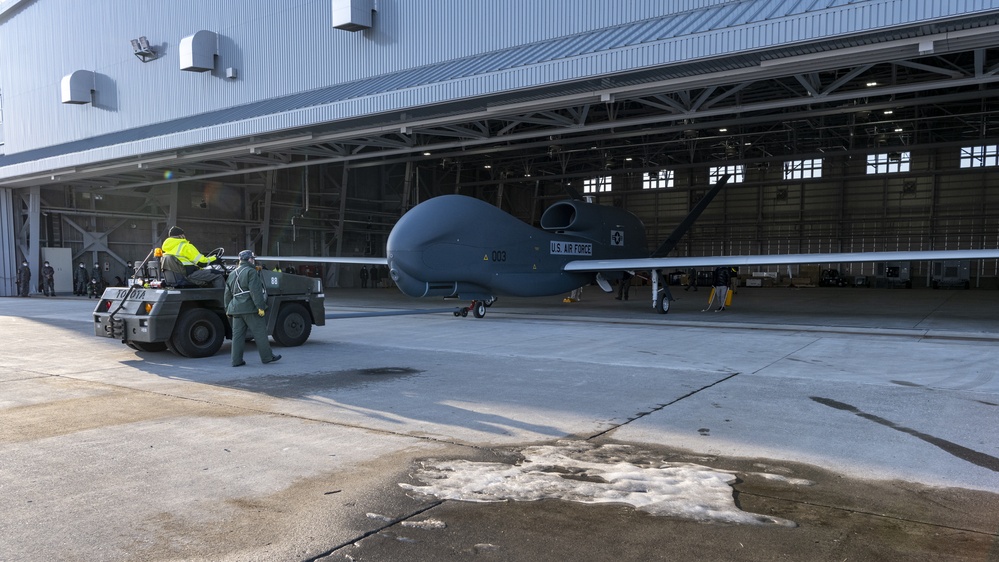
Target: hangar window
x=888, y=163
x=803, y=169
x=737, y=172
x=980, y=156
x=663, y=179
x=597, y=185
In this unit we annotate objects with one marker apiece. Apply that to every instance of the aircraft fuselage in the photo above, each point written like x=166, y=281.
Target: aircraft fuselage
x=459, y=246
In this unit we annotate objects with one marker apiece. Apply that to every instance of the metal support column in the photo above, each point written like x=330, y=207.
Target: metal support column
x=265, y=223
x=407, y=188
x=171, y=213
x=8, y=257
x=341, y=220
x=34, y=234
x=499, y=190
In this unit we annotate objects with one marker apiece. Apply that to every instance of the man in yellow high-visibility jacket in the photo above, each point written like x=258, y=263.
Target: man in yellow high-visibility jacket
x=178, y=245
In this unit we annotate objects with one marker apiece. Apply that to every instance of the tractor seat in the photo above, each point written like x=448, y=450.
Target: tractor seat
x=174, y=273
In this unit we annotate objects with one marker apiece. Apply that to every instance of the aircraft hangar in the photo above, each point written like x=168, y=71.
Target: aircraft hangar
x=308, y=127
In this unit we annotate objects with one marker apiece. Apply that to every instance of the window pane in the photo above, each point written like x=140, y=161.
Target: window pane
x=980, y=156
x=663, y=179
x=888, y=163
x=803, y=169
x=597, y=185
x=736, y=171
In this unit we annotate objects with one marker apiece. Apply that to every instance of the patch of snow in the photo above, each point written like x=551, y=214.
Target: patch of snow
x=581, y=472
x=783, y=479
x=426, y=524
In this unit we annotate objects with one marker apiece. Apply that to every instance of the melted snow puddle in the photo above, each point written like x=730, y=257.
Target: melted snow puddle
x=581, y=472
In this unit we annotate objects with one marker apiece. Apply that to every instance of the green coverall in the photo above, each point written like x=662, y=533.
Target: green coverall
x=244, y=297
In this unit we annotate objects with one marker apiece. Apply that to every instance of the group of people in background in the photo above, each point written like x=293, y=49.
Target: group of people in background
x=375, y=274
x=86, y=282
x=721, y=280
x=46, y=284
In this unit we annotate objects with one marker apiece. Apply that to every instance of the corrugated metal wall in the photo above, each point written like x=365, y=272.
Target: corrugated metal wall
x=283, y=48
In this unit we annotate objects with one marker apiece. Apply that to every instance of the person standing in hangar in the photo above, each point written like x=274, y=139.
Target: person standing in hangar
x=245, y=304
x=720, y=282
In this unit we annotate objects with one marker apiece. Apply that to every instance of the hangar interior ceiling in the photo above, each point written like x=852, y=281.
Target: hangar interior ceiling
x=838, y=106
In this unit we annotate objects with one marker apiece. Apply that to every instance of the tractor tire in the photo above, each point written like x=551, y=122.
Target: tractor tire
x=293, y=326
x=199, y=333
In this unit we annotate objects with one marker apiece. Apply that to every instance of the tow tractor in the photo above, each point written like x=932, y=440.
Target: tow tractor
x=168, y=310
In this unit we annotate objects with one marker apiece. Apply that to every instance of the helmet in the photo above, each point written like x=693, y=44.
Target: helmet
x=246, y=255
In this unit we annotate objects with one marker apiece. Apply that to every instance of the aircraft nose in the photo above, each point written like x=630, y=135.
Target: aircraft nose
x=400, y=266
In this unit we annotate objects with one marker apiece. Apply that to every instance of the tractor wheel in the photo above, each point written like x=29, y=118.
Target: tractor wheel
x=199, y=333
x=293, y=326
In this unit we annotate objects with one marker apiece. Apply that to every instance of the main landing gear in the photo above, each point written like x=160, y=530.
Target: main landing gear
x=478, y=308
x=661, y=296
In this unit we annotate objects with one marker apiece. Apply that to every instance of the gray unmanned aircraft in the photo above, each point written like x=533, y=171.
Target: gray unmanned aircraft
x=458, y=246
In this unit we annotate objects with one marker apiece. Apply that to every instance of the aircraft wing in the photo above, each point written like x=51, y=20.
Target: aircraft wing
x=328, y=259
x=777, y=259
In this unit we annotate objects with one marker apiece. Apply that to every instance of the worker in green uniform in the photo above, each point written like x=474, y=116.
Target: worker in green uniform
x=245, y=304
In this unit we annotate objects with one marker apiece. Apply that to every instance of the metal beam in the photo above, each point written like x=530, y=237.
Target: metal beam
x=8, y=254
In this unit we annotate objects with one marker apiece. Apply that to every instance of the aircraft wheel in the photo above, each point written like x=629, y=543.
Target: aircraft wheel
x=199, y=333
x=293, y=326
x=464, y=312
x=662, y=304
x=490, y=301
x=480, y=309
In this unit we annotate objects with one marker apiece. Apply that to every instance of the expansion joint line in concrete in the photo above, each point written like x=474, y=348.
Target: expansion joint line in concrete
x=367, y=534
x=935, y=309
x=870, y=514
x=28, y=376
x=785, y=356
x=641, y=415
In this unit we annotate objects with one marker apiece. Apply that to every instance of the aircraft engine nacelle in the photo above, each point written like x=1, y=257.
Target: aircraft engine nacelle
x=602, y=224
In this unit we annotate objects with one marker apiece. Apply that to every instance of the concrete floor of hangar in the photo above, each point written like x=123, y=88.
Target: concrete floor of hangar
x=884, y=399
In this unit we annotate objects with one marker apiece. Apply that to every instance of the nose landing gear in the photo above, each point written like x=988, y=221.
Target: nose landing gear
x=477, y=307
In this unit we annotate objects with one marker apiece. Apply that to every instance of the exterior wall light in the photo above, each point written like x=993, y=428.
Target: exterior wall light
x=142, y=50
